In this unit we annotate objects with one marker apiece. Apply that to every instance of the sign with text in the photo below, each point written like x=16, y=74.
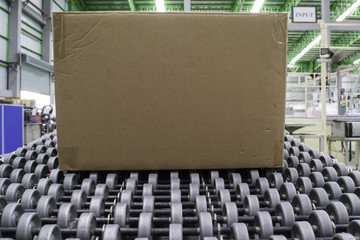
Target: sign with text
x=304, y=14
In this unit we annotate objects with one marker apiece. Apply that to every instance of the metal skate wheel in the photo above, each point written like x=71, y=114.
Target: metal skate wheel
x=287, y=146
x=321, y=220
x=42, y=158
x=316, y=165
x=329, y=174
x=292, y=161
x=49, y=144
x=5, y=170
x=147, y=190
x=337, y=213
x=39, y=149
x=302, y=204
x=97, y=206
x=223, y=196
x=20, y=152
x=86, y=226
x=78, y=198
x=304, y=157
x=239, y=231
x=286, y=154
x=303, y=147
x=56, y=176
x=43, y=186
x=317, y=179
x=264, y=222
x=357, y=191
x=53, y=162
x=176, y=213
x=148, y=204
x=175, y=232
x=153, y=179
x=174, y=174
x=17, y=175
x=134, y=175
x=175, y=195
x=50, y=232
x=51, y=152
x=284, y=167
x=276, y=180
x=4, y=184
x=19, y=162
x=27, y=223
x=88, y=186
x=355, y=176
x=343, y=236
x=213, y=176
x=112, y=181
x=45, y=206
x=277, y=237
x=302, y=231
x=219, y=184
x=251, y=203
x=235, y=179
x=3, y=202
x=285, y=211
x=57, y=191
x=195, y=178
x=242, y=190
x=126, y=197
x=14, y=192
x=303, y=170
x=333, y=190
x=30, y=166
x=253, y=175
x=102, y=190
x=294, y=151
x=314, y=153
x=131, y=184
x=200, y=204
x=41, y=171
x=231, y=213
x=121, y=214
x=346, y=184
x=194, y=190
x=261, y=185
x=8, y=158
x=112, y=232
x=287, y=191
x=319, y=197
x=205, y=224
x=304, y=185
x=29, y=180
x=351, y=202
x=175, y=183
x=30, y=198
x=66, y=216
x=288, y=138
x=145, y=225
x=354, y=228
x=341, y=169
x=295, y=142
x=94, y=176
x=11, y=214
x=326, y=161
x=272, y=197
x=70, y=181
x=291, y=175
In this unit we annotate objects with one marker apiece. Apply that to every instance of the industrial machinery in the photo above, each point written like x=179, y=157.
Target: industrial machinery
x=346, y=129
x=313, y=196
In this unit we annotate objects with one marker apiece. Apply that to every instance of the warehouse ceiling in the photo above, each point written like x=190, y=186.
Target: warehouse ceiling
x=298, y=40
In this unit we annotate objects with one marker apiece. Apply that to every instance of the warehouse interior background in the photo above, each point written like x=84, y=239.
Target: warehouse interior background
x=322, y=88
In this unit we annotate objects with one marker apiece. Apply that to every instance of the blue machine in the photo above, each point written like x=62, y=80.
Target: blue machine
x=11, y=128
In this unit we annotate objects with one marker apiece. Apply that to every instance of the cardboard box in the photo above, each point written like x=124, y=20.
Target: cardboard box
x=177, y=90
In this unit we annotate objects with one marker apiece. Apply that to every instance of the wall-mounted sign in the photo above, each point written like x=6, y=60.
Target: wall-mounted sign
x=304, y=14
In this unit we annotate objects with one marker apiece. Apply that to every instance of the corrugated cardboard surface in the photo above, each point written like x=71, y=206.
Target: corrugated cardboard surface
x=170, y=90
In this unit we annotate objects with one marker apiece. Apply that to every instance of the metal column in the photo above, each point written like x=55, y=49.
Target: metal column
x=187, y=5
x=47, y=7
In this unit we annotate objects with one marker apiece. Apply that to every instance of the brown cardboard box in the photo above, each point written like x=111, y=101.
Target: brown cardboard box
x=177, y=90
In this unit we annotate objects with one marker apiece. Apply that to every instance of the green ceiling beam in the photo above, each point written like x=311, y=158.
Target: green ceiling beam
x=132, y=5
x=301, y=44
x=338, y=7
x=286, y=7
x=349, y=60
x=348, y=39
x=237, y=5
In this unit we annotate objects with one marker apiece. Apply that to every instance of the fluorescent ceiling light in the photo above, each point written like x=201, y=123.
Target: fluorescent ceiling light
x=291, y=65
x=160, y=5
x=306, y=49
x=348, y=11
x=357, y=61
x=257, y=5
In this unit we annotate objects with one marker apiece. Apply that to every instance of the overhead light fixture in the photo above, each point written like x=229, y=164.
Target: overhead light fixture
x=348, y=11
x=291, y=65
x=357, y=61
x=305, y=50
x=257, y=5
x=160, y=5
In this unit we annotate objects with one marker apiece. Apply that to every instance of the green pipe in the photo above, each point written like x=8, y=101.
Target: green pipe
x=3, y=65
x=33, y=28
x=38, y=38
x=5, y=10
x=31, y=50
x=2, y=36
x=57, y=4
x=70, y=5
